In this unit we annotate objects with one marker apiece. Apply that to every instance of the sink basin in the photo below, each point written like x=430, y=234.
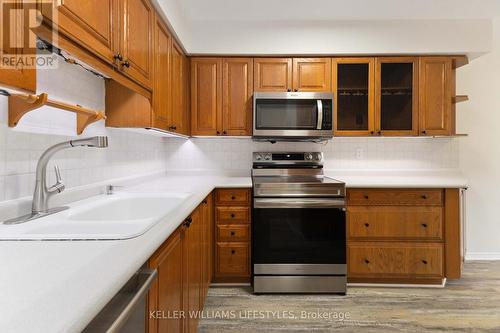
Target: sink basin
x=118, y=216
x=119, y=208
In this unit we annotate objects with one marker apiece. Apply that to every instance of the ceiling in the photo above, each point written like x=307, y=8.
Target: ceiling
x=306, y=10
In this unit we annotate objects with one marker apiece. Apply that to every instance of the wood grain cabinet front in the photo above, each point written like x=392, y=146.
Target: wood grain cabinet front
x=272, y=74
x=312, y=74
x=412, y=197
x=233, y=223
x=386, y=260
x=395, y=222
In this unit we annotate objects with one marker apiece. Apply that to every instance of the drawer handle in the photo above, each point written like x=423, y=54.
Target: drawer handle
x=233, y=251
x=424, y=197
x=366, y=196
x=424, y=225
x=367, y=261
x=233, y=197
x=232, y=233
x=232, y=215
x=367, y=225
x=424, y=262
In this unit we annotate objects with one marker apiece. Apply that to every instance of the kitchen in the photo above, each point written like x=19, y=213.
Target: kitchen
x=208, y=167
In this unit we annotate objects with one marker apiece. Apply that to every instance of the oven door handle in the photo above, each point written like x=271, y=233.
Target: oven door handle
x=299, y=203
x=320, y=114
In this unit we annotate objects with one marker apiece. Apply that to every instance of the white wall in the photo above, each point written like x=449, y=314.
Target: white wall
x=128, y=153
x=471, y=37
x=235, y=155
x=480, y=151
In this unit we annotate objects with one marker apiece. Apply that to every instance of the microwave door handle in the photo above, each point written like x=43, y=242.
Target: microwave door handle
x=319, y=104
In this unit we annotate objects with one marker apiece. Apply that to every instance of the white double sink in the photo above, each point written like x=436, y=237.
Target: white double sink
x=106, y=217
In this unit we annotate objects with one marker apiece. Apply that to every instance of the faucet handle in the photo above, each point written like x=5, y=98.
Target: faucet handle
x=58, y=174
x=59, y=185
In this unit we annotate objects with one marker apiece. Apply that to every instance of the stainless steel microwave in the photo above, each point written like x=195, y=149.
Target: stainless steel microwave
x=292, y=115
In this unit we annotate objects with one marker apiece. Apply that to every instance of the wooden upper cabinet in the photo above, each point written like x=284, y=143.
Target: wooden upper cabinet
x=396, y=96
x=136, y=36
x=312, y=74
x=435, y=96
x=15, y=77
x=206, y=96
x=179, y=121
x=162, y=82
x=90, y=23
x=354, y=89
x=166, y=293
x=273, y=74
x=237, y=96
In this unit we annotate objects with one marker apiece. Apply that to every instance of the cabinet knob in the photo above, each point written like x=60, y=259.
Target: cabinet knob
x=172, y=128
x=365, y=196
x=232, y=233
x=424, y=262
x=224, y=132
x=424, y=197
x=423, y=132
x=232, y=215
x=379, y=132
x=296, y=90
x=218, y=132
x=424, y=225
x=372, y=132
x=367, y=261
x=233, y=197
x=118, y=57
x=204, y=202
x=126, y=63
x=289, y=90
x=233, y=251
x=367, y=225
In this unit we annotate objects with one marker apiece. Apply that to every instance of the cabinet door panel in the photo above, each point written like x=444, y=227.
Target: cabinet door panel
x=396, y=96
x=206, y=96
x=16, y=76
x=353, y=88
x=90, y=23
x=180, y=114
x=136, y=38
x=162, y=87
x=312, y=74
x=237, y=96
x=166, y=293
x=193, y=252
x=272, y=74
x=435, y=96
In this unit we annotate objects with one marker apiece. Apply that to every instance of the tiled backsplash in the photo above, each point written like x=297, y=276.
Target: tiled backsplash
x=340, y=153
x=128, y=154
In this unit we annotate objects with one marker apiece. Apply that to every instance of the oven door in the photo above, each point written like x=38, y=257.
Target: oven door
x=282, y=114
x=299, y=236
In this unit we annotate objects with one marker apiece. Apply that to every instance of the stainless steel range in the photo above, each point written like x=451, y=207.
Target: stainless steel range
x=298, y=236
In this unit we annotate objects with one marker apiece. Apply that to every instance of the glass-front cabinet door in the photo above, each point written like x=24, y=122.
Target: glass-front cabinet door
x=353, y=87
x=396, y=101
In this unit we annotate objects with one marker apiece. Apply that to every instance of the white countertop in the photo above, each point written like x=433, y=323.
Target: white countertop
x=59, y=286
x=400, y=179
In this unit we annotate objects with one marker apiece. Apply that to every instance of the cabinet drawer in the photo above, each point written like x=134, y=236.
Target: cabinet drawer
x=396, y=197
x=233, y=258
x=233, y=233
x=232, y=214
x=398, y=222
x=395, y=259
x=233, y=197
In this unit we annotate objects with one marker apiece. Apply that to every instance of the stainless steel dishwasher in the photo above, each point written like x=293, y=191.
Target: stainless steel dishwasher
x=126, y=311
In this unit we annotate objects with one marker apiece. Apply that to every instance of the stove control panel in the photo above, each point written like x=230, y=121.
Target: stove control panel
x=308, y=157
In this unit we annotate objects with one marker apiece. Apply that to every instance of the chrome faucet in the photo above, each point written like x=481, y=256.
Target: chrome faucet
x=43, y=193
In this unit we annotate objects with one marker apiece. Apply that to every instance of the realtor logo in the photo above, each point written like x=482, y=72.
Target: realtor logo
x=21, y=21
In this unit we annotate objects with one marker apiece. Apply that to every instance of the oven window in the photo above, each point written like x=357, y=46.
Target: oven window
x=286, y=114
x=305, y=236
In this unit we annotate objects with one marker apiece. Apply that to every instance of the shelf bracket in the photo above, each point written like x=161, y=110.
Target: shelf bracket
x=19, y=105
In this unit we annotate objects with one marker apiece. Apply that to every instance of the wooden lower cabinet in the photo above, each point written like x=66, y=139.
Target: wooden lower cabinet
x=403, y=235
x=184, y=264
x=233, y=225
